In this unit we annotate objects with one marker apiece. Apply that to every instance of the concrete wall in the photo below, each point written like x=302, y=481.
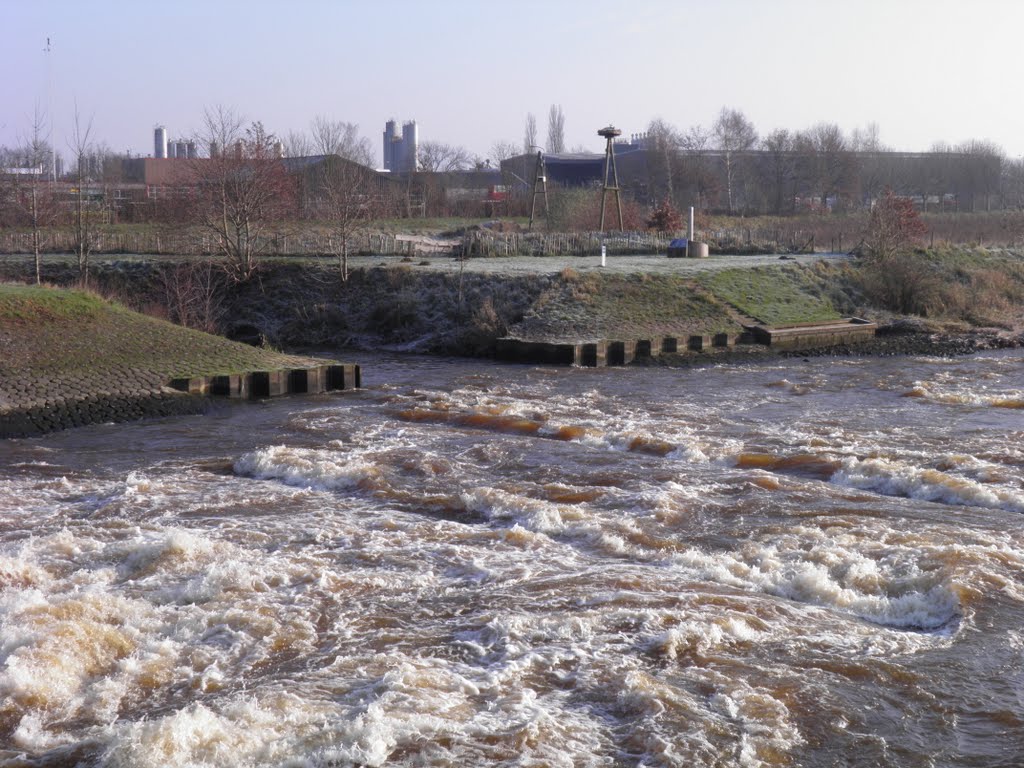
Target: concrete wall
x=287, y=381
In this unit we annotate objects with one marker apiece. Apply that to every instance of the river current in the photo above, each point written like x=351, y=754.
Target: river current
x=806, y=563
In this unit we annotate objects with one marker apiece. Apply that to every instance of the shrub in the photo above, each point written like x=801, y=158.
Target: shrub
x=665, y=218
x=903, y=282
x=893, y=226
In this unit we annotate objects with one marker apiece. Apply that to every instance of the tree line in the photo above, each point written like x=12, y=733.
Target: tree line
x=729, y=168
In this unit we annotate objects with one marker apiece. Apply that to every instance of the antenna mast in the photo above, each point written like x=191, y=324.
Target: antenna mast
x=49, y=109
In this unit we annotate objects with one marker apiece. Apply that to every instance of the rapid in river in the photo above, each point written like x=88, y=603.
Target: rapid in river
x=809, y=563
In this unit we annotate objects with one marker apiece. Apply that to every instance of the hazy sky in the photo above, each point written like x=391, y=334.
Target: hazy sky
x=468, y=71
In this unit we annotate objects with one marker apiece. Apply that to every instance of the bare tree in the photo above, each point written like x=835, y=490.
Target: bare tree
x=193, y=293
x=350, y=202
x=734, y=135
x=335, y=137
x=502, y=151
x=894, y=226
x=779, y=168
x=867, y=139
x=297, y=144
x=664, y=143
x=242, y=189
x=981, y=171
x=696, y=142
x=893, y=275
x=84, y=226
x=556, y=129
x=824, y=162
x=32, y=201
x=438, y=157
x=530, y=134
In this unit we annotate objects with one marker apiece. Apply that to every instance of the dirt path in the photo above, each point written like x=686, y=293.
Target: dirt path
x=522, y=265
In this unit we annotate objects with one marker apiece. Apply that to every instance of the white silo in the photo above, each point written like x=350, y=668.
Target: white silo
x=180, y=149
x=160, y=141
x=410, y=146
x=390, y=140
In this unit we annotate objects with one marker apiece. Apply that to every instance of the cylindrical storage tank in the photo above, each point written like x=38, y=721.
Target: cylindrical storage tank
x=160, y=142
x=214, y=149
x=172, y=150
x=410, y=146
x=181, y=149
x=695, y=250
x=279, y=148
x=192, y=152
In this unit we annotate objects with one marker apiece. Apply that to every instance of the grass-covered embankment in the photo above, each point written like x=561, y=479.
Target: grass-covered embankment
x=773, y=295
x=69, y=358
x=462, y=308
x=593, y=306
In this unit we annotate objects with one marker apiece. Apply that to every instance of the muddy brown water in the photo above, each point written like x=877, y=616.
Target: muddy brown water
x=783, y=563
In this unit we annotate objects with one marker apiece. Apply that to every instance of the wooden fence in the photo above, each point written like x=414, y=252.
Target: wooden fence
x=192, y=244
x=475, y=243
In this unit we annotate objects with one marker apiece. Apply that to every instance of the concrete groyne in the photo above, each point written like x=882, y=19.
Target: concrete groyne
x=598, y=354
x=41, y=408
x=59, y=413
x=255, y=385
x=70, y=358
x=798, y=336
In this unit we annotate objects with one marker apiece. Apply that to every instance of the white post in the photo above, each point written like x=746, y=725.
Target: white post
x=604, y=255
x=689, y=233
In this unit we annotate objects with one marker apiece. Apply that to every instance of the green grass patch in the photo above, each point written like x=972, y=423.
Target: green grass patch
x=609, y=306
x=78, y=333
x=37, y=304
x=773, y=295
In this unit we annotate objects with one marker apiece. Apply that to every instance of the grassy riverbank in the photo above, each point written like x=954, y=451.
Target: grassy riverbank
x=442, y=305
x=70, y=357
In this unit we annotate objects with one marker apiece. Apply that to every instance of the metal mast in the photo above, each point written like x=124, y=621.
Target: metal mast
x=540, y=187
x=609, y=132
x=49, y=108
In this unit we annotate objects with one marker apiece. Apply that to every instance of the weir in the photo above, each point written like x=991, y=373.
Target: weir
x=256, y=385
x=615, y=352
x=606, y=352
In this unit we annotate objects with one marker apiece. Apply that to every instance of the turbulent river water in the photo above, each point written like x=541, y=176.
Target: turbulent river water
x=782, y=563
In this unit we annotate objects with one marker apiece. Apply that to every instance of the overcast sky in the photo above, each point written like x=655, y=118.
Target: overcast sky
x=468, y=71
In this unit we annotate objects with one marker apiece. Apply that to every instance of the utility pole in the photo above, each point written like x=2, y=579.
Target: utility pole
x=49, y=109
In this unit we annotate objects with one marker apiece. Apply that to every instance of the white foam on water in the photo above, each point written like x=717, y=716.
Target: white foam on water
x=737, y=724
x=576, y=522
x=533, y=514
x=89, y=625
x=994, y=385
x=896, y=478
x=694, y=636
x=264, y=731
x=306, y=467
x=838, y=572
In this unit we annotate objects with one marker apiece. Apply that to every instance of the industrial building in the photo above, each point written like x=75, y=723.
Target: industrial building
x=177, y=149
x=401, y=152
x=581, y=169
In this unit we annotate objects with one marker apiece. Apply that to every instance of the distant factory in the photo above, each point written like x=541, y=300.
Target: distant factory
x=179, y=148
x=401, y=152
